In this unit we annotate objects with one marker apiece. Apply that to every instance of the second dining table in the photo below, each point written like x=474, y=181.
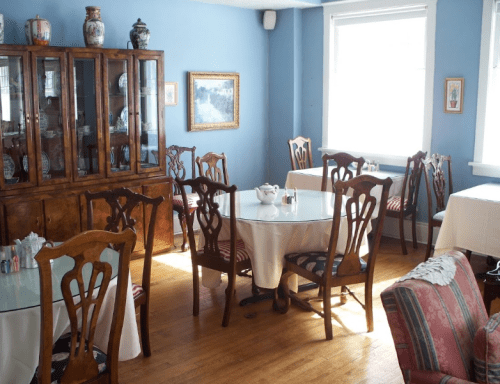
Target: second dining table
x=270, y=231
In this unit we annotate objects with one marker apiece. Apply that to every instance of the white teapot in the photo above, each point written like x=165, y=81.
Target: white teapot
x=267, y=193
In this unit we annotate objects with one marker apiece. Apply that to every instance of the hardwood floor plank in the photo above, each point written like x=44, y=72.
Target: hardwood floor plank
x=265, y=347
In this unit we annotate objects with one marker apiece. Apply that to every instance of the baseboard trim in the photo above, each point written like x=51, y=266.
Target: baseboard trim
x=391, y=229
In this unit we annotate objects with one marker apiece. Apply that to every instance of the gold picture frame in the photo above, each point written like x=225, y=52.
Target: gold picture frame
x=453, y=95
x=213, y=100
x=171, y=93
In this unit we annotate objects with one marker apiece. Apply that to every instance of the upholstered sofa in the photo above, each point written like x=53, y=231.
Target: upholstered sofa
x=439, y=324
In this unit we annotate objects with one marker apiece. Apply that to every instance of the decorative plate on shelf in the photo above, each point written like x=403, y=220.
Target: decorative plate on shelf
x=45, y=163
x=124, y=116
x=9, y=167
x=25, y=163
x=122, y=83
x=44, y=121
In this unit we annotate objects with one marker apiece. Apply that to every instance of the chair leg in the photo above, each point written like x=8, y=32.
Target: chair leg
x=402, y=235
x=414, y=229
x=430, y=233
x=196, y=291
x=146, y=345
x=185, y=242
x=369, y=306
x=327, y=309
x=231, y=277
x=343, y=295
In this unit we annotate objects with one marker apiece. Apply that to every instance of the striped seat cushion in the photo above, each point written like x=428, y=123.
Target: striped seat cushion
x=192, y=199
x=241, y=252
x=315, y=262
x=487, y=351
x=394, y=203
x=136, y=290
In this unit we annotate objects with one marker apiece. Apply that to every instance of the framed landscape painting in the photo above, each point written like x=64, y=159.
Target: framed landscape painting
x=213, y=100
x=171, y=93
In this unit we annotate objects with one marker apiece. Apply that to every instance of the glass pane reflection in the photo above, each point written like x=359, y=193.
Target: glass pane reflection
x=148, y=113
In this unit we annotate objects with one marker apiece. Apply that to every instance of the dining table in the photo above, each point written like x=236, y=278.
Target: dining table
x=20, y=317
x=471, y=221
x=270, y=231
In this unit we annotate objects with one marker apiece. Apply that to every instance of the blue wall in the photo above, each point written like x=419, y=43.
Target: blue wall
x=195, y=37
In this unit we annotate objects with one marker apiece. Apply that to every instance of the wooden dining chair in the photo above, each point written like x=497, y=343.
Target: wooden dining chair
x=177, y=166
x=335, y=268
x=213, y=166
x=405, y=204
x=128, y=210
x=436, y=205
x=341, y=171
x=300, y=153
x=227, y=256
x=63, y=361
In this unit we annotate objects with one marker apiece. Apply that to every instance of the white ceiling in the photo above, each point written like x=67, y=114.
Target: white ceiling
x=263, y=4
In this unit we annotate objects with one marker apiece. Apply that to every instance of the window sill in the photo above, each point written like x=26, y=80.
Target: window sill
x=481, y=169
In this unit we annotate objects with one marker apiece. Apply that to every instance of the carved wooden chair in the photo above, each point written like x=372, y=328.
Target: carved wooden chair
x=436, y=209
x=123, y=214
x=228, y=256
x=332, y=269
x=405, y=205
x=341, y=171
x=300, y=153
x=64, y=361
x=177, y=168
x=208, y=167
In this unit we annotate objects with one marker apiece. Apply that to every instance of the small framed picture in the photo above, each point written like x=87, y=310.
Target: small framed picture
x=171, y=93
x=454, y=94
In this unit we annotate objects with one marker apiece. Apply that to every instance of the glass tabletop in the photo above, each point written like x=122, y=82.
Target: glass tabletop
x=21, y=290
x=310, y=206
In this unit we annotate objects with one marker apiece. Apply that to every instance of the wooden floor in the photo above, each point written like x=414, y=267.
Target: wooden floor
x=260, y=345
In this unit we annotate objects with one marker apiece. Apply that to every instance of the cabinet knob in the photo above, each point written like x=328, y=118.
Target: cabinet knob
x=38, y=222
x=49, y=219
x=27, y=118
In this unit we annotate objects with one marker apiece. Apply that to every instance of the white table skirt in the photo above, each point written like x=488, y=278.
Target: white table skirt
x=471, y=221
x=20, y=335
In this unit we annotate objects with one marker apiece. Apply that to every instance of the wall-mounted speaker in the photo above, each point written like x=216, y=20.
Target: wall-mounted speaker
x=269, y=19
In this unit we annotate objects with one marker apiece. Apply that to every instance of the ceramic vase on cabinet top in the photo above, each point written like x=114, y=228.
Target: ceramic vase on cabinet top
x=93, y=27
x=139, y=35
x=1, y=29
x=38, y=31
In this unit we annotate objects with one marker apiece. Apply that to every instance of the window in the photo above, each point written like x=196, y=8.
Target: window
x=379, y=68
x=486, y=161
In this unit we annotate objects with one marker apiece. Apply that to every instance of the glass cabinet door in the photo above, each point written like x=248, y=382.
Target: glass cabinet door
x=50, y=99
x=15, y=121
x=118, y=111
x=150, y=114
x=85, y=110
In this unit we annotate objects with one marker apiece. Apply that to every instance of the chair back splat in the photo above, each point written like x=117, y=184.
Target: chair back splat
x=341, y=171
x=208, y=166
x=82, y=364
x=300, y=153
x=224, y=255
x=127, y=209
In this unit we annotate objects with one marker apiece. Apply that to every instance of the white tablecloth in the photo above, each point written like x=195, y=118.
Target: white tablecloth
x=311, y=179
x=20, y=335
x=268, y=241
x=472, y=221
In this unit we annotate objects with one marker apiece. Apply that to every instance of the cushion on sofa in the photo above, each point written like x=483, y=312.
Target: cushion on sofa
x=487, y=351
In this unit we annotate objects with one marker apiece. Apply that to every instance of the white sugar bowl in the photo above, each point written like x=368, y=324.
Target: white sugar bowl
x=267, y=193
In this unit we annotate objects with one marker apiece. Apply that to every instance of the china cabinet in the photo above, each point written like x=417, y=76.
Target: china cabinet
x=77, y=119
